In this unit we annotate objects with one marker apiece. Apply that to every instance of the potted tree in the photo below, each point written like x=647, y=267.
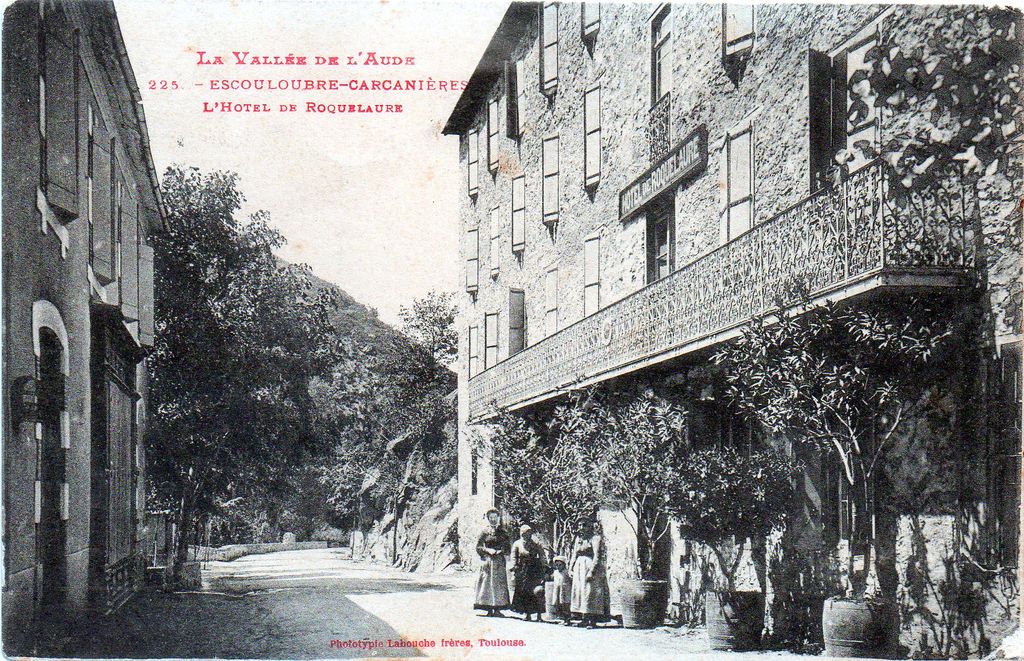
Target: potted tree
x=725, y=500
x=836, y=378
x=641, y=438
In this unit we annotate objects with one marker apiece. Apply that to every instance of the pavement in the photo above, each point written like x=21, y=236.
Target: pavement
x=318, y=604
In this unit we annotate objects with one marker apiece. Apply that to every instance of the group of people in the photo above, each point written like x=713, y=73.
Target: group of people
x=578, y=595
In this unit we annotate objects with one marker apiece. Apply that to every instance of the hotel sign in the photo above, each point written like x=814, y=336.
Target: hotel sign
x=684, y=160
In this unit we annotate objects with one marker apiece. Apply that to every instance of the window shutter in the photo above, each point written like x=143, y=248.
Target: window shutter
x=511, y=101
x=516, y=321
x=839, y=103
x=723, y=193
x=61, y=113
x=472, y=259
x=146, y=295
x=102, y=227
x=518, y=214
x=819, y=116
x=130, y=259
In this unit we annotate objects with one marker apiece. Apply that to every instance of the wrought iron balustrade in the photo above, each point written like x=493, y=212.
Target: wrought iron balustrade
x=837, y=242
x=659, y=128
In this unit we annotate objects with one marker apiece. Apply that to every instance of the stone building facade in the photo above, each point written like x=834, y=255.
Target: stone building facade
x=80, y=203
x=639, y=180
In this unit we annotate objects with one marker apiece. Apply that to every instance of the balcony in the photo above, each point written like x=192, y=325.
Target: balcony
x=838, y=243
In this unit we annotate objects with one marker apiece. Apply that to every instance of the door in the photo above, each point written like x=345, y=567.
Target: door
x=51, y=497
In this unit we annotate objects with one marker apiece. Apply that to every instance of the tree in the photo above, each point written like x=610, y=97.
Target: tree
x=240, y=338
x=642, y=440
x=431, y=323
x=965, y=79
x=837, y=379
x=720, y=495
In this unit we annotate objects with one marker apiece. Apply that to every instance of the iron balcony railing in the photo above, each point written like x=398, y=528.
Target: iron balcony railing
x=837, y=242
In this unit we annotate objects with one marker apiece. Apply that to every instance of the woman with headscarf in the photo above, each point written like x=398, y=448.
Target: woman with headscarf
x=492, y=583
x=528, y=572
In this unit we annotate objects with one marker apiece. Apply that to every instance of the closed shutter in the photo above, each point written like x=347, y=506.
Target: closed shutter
x=102, y=226
x=518, y=214
x=591, y=276
x=146, y=295
x=130, y=259
x=61, y=113
x=819, y=116
x=472, y=259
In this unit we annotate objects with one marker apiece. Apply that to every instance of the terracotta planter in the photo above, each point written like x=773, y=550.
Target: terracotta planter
x=734, y=619
x=643, y=603
x=859, y=628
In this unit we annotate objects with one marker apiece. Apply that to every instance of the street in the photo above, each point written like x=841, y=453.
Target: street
x=316, y=604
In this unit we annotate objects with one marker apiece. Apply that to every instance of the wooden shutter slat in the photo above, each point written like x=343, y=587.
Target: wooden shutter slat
x=61, y=117
x=102, y=227
x=819, y=116
x=511, y=102
x=146, y=295
x=839, y=103
x=130, y=259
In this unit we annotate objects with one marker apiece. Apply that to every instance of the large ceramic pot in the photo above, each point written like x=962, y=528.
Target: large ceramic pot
x=859, y=628
x=643, y=603
x=734, y=619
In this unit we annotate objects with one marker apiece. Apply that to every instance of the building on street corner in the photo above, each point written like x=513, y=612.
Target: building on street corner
x=641, y=180
x=81, y=203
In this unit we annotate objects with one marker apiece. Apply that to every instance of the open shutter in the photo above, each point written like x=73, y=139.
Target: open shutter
x=723, y=193
x=102, y=225
x=839, y=103
x=130, y=259
x=819, y=116
x=146, y=295
x=61, y=114
x=511, y=101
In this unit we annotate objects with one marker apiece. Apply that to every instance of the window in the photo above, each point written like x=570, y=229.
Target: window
x=59, y=111
x=1004, y=471
x=472, y=259
x=490, y=340
x=591, y=18
x=551, y=302
x=518, y=213
x=550, y=156
x=474, y=351
x=737, y=28
x=492, y=135
x=495, y=256
x=512, y=99
x=591, y=276
x=660, y=240
x=516, y=321
x=473, y=170
x=661, y=55
x=839, y=118
x=736, y=176
x=549, y=47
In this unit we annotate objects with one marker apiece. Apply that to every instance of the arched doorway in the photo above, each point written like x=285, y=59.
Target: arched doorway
x=51, y=486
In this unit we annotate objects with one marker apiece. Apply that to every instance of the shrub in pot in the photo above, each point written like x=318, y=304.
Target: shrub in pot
x=837, y=379
x=641, y=437
x=727, y=499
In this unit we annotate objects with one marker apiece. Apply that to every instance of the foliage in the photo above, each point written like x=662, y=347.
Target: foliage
x=836, y=378
x=544, y=474
x=239, y=340
x=965, y=78
x=721, y=494
x=642, y=439
x=430, y=322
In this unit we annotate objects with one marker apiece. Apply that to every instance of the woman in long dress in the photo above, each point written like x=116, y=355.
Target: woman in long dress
x=492, y=583
x=528, y=572
x=590, y=595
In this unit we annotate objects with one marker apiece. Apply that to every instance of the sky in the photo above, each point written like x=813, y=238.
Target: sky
x=367, y=200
